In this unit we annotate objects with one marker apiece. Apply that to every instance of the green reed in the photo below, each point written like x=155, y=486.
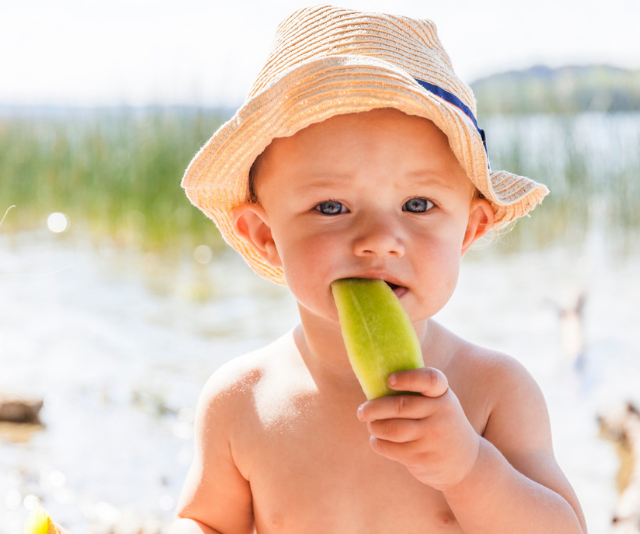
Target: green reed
x=115, y=174
x=591, y=164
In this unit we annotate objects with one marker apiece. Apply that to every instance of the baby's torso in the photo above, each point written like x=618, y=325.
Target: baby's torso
x=310, y=467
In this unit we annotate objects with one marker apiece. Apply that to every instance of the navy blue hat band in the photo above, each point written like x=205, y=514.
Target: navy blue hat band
x=453, y=99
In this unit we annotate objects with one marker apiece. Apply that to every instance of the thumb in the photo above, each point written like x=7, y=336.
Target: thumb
x=427, y=381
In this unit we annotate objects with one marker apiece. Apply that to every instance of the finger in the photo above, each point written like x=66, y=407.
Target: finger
x=397, y=406
x=396, y=430
x=400, y=452
x=427, y=381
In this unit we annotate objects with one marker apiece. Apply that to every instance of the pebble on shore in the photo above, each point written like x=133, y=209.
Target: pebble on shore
x=15, y=409
x=19, y=418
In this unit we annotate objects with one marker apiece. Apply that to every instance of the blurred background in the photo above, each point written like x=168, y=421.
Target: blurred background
x=118, y=298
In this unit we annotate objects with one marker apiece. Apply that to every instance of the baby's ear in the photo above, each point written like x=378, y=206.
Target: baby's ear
x=251, y=223
x=480, y=222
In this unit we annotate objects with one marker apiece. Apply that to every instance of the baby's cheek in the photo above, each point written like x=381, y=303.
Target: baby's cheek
x=305, y=264
x=451, y=279
x=440, y=271
x=306, y=258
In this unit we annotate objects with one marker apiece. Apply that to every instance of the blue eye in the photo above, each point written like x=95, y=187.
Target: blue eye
x=417, y=205
x=331, y=207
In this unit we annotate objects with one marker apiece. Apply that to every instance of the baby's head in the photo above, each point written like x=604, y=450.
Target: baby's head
x=376, y=194
x=364, y=112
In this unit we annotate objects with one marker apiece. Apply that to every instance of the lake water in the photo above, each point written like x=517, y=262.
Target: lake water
x=120, y=364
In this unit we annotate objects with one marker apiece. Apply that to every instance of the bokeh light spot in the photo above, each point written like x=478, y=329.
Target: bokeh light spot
x=202, y=254
x=31, y=501
x=57, y=222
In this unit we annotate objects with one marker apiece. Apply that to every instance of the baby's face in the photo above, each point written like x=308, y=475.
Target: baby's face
x=375, y=195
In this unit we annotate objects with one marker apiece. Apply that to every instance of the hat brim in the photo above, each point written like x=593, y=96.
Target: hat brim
x=216, y=180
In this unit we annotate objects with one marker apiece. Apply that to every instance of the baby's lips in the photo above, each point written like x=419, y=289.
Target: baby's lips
x=400, y=291
x=395, y=284
x=391, y=280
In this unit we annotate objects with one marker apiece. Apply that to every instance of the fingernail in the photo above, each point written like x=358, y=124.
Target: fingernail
x=392, y=380
x=360, y=411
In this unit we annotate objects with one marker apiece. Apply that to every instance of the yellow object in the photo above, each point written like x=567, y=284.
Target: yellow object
x=39, y=522
x=377, y=333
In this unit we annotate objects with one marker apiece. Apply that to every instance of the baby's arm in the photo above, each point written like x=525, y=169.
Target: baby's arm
x=506, y=481
x=516, y=484
x=216, y=498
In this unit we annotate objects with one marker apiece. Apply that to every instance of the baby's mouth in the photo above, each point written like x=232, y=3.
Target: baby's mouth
x=398, y=290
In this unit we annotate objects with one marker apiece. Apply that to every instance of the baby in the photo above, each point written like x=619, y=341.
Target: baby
x=357, y=154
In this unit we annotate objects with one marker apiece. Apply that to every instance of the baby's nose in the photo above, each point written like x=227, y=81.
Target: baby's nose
x=378, y=236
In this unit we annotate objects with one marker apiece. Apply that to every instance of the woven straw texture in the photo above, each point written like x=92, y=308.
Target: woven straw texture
x=327, y=61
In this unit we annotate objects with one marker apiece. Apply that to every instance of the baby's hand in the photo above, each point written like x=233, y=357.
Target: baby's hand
x=428, y=433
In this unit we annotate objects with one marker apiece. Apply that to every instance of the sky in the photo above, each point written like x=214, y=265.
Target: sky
x=138, y=52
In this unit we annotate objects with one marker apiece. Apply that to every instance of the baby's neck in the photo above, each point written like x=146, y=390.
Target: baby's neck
x=322, y=349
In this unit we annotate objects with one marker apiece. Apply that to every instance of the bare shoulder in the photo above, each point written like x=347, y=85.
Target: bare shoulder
x=505, y=379
x=217, y=492
x=233, y=379
x=232, y=387
x=500, y=392
x=239, y=376
x=490, y=363
x=485, y=380
x=515, y=408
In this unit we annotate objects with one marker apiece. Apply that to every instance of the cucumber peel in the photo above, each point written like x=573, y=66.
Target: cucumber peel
x=377, y=333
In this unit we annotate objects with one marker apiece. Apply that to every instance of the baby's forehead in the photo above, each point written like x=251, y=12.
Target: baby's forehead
x=372, y=130
x=333, y=153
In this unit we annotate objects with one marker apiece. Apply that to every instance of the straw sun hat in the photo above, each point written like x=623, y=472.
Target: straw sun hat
x=327, y=61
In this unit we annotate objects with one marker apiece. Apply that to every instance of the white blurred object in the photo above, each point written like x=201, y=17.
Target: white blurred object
x=107, y=513
x=202, y=254
x=572, y=331
x=58, y=222
x=31, y=501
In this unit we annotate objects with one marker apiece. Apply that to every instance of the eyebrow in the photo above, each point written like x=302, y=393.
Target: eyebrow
x=427, y=177
x=324, y=182
x=329, y=180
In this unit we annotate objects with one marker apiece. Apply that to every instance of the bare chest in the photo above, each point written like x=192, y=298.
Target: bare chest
x=311, y=470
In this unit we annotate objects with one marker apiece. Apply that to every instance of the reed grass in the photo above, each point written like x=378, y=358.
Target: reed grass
x=116, y=174
x=591, y=164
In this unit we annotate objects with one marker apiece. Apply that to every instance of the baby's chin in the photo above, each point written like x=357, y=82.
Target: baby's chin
x=327, y=316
